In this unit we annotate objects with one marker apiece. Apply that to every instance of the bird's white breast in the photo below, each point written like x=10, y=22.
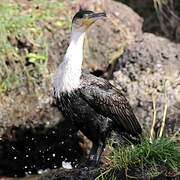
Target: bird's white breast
x=66, y=78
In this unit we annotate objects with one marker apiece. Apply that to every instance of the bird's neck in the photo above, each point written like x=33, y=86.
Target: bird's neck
x=74, y=53
x=68, y=74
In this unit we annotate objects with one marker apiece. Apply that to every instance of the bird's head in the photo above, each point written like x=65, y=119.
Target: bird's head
x=84, y=19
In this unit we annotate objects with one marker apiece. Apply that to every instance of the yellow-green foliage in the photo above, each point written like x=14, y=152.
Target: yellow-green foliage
x=160, y=153
x=23, y=46
x=153, y=158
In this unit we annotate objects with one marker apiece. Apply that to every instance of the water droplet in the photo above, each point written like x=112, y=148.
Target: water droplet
x=53, y=155
x=13, y=147
x=55, y=166
x=27, y=155
x=62, y=157
x=15, y=157
x=62, y=142
x=69, y=149
x=40, y=171
x=29, y=172
x=70, y=135
x=25, y=167
x=48, y=159
x=66, y=165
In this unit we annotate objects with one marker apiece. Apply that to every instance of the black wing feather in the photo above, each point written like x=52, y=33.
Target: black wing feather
x=110, y=102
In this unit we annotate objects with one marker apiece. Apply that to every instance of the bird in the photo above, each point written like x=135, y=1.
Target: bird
x=92, y=104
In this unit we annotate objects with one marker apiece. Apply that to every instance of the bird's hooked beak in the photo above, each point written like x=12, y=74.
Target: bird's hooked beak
x=91, y=18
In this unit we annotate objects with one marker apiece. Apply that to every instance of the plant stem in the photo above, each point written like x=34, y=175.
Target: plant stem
x=154, y=117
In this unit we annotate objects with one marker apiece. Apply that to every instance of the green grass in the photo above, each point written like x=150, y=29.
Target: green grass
x=160, y=153
x=153, y=158
x=23, y=45
x=152, y=155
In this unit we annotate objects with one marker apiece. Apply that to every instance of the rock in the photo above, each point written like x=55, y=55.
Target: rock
x=105, y=40
x=32, y=105
x=77, y=174
x=95, y=173
x=147, y=12
x=29, y=111
x=151, y=67
x=160, y=17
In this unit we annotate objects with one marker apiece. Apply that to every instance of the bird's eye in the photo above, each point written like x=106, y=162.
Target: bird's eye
x=84, y=16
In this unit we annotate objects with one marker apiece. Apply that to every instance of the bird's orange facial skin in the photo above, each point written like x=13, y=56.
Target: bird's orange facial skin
x=86, y=21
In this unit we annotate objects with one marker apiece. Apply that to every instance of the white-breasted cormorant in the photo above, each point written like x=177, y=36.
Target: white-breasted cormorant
x=93, y=105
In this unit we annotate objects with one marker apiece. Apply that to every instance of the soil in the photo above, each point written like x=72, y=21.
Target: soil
x=92, y=174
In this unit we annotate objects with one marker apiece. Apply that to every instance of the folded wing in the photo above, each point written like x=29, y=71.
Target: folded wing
x=110, y=102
